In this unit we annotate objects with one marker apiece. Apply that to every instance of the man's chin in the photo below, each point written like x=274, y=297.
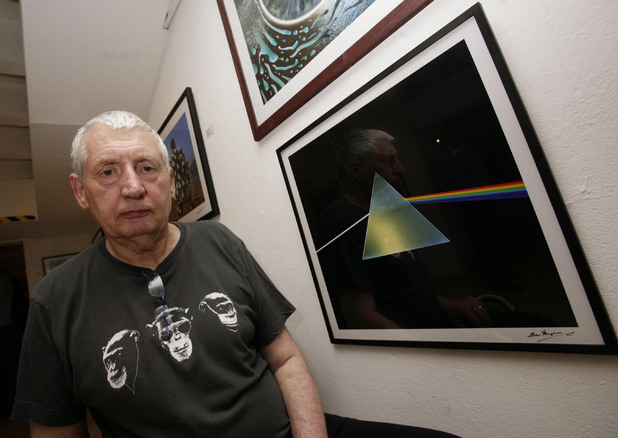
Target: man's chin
x=135, y=229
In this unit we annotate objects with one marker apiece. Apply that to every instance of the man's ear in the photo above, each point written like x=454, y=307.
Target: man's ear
x=355, y=170
x=78, y=191
x=172, y=184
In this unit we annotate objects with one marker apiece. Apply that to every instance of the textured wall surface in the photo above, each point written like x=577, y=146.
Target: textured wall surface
x=562, y=56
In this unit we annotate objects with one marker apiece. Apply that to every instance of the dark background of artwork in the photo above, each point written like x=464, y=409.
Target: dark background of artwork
x=448, y=138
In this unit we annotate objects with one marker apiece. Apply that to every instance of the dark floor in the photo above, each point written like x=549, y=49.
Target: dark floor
x=20, y=429
x=13, y=429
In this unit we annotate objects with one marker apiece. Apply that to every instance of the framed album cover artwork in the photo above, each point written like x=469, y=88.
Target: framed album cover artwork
x=429, y=214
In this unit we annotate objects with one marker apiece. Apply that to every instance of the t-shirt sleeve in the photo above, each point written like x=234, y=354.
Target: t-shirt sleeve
x=43, y=393
x=272, y=308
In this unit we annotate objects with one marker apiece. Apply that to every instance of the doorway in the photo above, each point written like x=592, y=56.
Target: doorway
x=13, y=313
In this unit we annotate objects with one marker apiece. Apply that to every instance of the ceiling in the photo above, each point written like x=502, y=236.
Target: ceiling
x=61, y=63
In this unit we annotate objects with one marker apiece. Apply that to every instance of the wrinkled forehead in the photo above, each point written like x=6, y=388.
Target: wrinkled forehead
x=385, y=147
x=103, y=140
x=99, y=134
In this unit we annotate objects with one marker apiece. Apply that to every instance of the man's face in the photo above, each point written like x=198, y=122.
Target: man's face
x=125, y=184
x=386, y=164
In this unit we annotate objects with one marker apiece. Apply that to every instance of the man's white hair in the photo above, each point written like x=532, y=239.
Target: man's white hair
x=360, y=145
x=114, y=120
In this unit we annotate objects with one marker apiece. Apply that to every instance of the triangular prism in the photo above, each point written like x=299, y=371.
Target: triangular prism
x=394, y=225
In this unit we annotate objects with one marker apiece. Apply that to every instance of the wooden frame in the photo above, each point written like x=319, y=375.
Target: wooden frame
x=332, y=58
x=194, y=183
x=475, y=172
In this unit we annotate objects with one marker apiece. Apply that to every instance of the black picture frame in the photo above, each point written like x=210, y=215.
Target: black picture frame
x=459, y=123
x=194, y=184
x=52, y=262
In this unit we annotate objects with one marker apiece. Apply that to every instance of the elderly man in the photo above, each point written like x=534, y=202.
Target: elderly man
x=163, y=329
x=249, y=382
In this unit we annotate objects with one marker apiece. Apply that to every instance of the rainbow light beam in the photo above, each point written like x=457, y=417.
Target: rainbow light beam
x=510, y=190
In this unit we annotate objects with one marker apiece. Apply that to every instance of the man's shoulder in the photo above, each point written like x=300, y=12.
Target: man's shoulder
x=207, y=226
x=209, y=230
x=63, y=274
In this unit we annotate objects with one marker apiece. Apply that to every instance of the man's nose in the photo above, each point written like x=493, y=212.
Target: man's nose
x=399, y=169
x=131, y=184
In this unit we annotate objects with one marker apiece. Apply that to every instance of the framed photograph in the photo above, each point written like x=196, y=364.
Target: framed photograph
x=49, y=263
x=286, y=52
x=195, y=197
x=429, y=214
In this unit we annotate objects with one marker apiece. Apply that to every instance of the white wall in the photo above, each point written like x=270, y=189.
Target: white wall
x=562, y=55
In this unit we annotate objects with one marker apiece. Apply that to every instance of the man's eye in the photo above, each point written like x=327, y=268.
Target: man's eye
x=108, y=172
x=146, y=168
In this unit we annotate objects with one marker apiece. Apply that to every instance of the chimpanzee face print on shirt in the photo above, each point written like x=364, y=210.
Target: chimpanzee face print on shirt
x=171, y=327
x=221, y=305
x=121, y=359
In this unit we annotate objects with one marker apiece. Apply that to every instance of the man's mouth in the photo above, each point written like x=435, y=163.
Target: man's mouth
x=135, y=213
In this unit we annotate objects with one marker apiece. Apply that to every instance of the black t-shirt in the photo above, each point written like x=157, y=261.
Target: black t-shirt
x=97, y=338
x=399, y=283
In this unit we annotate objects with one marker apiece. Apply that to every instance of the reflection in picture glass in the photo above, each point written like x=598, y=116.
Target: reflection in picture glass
x=443, y=152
